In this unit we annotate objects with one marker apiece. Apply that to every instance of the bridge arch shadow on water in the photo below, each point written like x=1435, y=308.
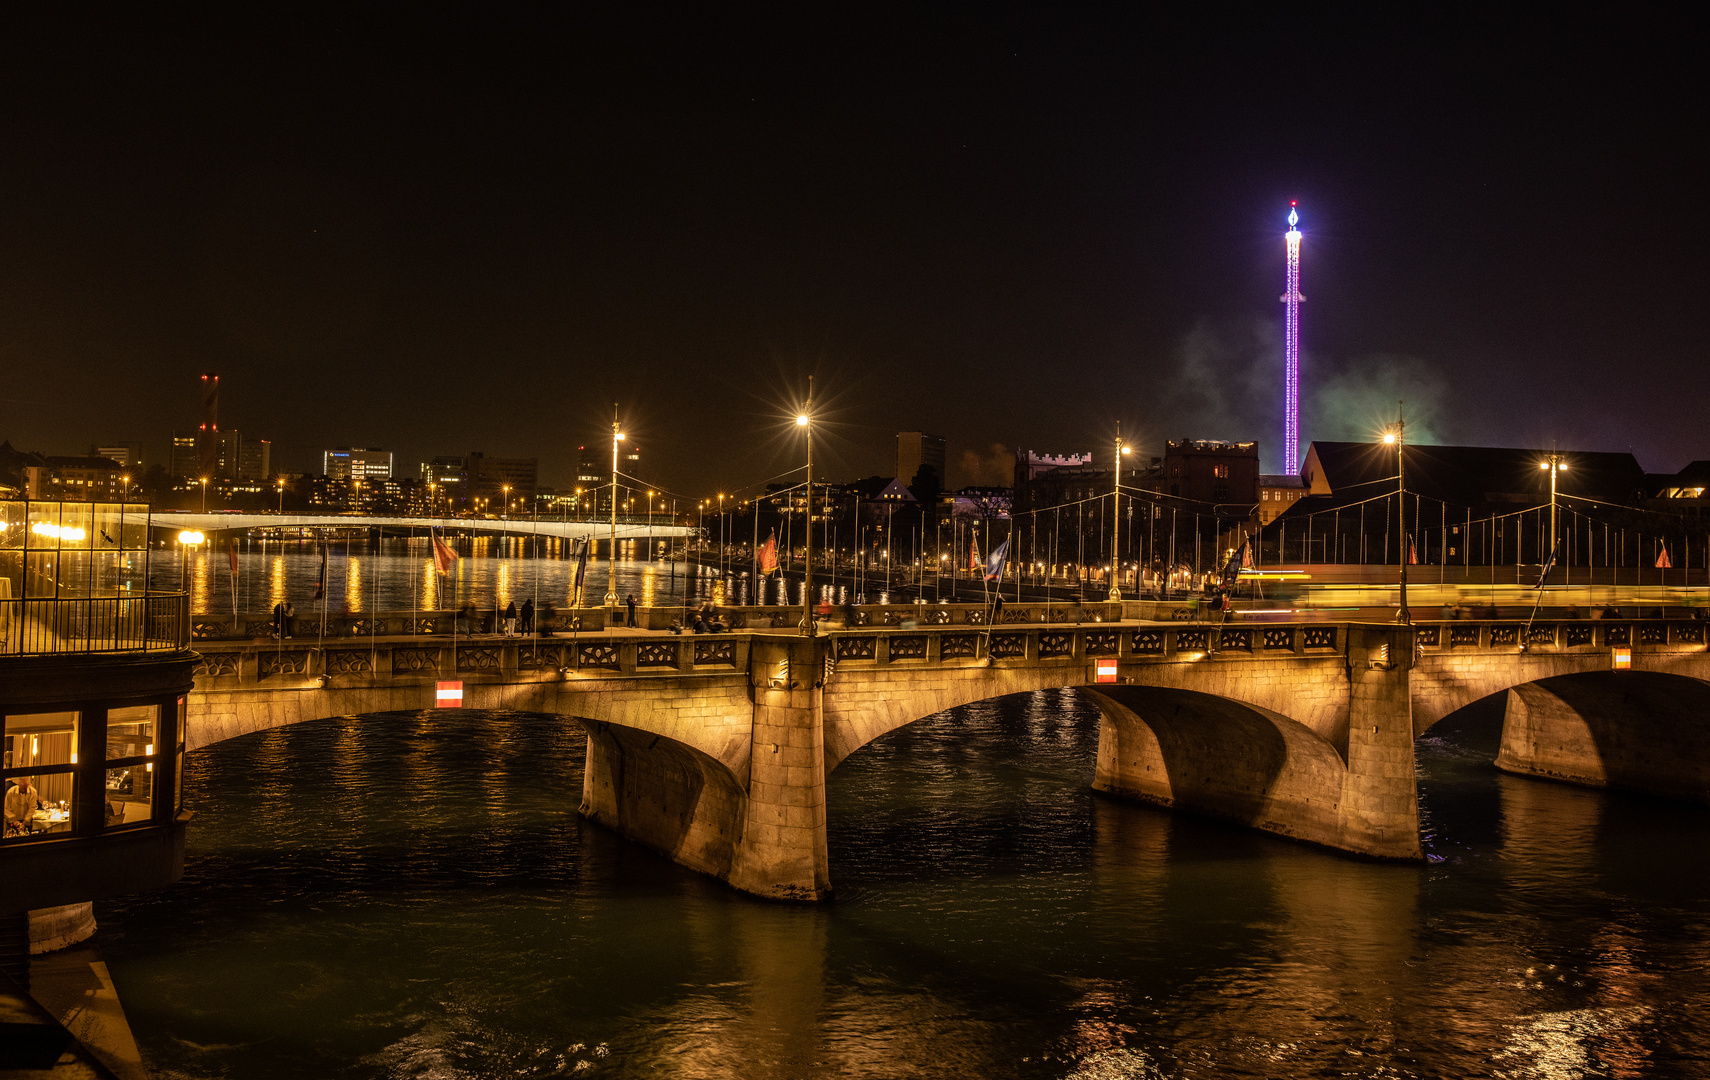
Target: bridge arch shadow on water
x=717, y=754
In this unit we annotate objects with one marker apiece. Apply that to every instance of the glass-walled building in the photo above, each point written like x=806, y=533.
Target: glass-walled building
x=72, y=579
x=50, y=550
x=94, y=675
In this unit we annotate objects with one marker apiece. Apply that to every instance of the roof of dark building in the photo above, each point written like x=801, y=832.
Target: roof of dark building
x=1468, y=475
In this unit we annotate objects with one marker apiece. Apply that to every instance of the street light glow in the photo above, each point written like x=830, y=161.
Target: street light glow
x=801, y=421
x=191, y=537
x=1389, y=438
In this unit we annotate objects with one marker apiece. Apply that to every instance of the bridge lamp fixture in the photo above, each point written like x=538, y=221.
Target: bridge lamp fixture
x=1394, y=435
x=1122, y=449
x=190, y=537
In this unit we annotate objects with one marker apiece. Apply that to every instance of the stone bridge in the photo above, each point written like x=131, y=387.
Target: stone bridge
x=715, y=749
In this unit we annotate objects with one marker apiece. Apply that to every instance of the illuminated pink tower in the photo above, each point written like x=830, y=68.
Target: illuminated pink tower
x=1291, y=347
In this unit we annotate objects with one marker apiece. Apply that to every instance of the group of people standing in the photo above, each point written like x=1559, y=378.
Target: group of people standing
x=511, y=621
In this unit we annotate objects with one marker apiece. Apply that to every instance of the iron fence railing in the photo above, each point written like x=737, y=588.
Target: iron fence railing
x=155, y=622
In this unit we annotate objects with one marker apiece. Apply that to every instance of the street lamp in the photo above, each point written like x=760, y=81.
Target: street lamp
x=1394, y=435
x=1116, y=518
x=1556, y=465
x=807, y=562
x=204, y=494
x=280, y=484
x=611, y=548
x=187, y=538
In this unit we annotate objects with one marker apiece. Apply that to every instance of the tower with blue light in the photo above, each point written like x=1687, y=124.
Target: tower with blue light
x=1291, y=347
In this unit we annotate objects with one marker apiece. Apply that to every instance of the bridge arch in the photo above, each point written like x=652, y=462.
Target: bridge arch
x=1320, y=751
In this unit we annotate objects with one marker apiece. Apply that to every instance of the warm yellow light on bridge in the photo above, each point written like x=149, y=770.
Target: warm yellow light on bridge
x=191, y=537
x=801, y=421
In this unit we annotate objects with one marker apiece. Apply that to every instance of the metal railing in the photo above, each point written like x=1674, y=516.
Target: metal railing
x=155, y=622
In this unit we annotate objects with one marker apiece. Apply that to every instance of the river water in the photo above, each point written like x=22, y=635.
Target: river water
x=414, y=895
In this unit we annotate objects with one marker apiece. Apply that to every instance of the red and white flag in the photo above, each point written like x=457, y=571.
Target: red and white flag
x=974, y=560
x=443, y=557
x=1662, y=560
x=769, y=554
x=231, y=552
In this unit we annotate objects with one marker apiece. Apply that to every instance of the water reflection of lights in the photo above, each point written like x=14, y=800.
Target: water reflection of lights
x=1554, y=1045
x=353, y=583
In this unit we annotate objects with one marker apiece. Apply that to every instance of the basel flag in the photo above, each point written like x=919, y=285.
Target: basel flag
x=443, y=557
x=769, y=554
x=1662, y=560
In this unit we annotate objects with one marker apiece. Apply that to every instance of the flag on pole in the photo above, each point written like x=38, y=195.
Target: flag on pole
x=1246, y=555
x=231, y=555
x=1549, y=563
x=973, y=554
x=444, y=558
x=582, y=561
x=769, y=553
x=1412, y=553
x=321, y=585
x=1232, y=568
x=1662, y=559
x=994, y=562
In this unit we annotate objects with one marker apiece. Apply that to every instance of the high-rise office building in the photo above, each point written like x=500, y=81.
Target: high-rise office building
x=916, y=449
x=128, y=454
x=184, y=463
x=356, y=463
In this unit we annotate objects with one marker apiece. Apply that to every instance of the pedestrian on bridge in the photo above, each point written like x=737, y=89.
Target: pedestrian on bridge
x=526, y=627
x=510, y=625
x=629, y=602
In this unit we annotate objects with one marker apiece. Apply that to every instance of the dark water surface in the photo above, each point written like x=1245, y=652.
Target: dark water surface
x=413, y=895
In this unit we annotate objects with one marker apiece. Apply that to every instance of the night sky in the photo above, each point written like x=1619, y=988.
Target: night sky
x=442, y=229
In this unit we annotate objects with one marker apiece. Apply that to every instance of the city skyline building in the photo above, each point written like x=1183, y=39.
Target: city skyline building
x=916, y=449
x=356, y=463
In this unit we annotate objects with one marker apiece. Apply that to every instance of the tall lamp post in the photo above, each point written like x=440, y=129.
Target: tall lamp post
x=807, y=562
x=187, y=538
x=611, y=548
x=1555, y=464
x=1116, y=519
x=204, y=494
x=1395, y=436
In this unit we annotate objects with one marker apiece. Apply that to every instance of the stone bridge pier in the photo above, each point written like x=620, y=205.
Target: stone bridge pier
x=752, y=812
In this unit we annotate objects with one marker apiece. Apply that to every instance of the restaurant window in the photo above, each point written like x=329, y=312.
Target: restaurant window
x=1220, y=471
x=39, y=751
x=131, y=758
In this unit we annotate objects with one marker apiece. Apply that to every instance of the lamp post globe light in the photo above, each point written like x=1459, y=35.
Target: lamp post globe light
x=807, y=561
x=611, y=543
x=1555, y=464
x=1116, y=519
x=1395, y=435
x=186, y=538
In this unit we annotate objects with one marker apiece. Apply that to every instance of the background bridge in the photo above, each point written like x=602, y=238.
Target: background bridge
x=207, y=523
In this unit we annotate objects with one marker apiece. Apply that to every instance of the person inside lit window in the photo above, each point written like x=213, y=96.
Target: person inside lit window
x=22, y=801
